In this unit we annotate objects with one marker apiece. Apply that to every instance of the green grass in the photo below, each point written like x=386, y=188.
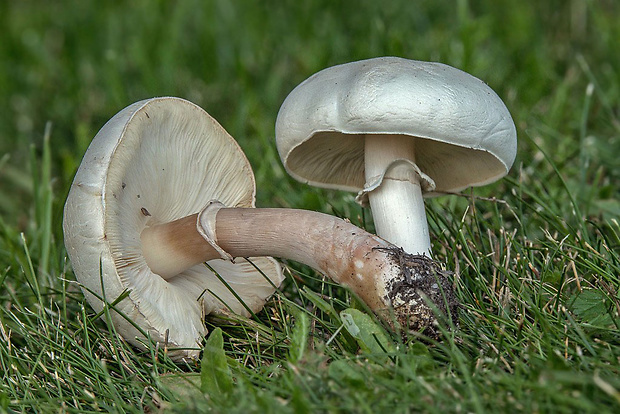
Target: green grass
x=537, y=255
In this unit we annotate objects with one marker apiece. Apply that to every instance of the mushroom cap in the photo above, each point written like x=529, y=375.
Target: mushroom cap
x=464, y=135
x=156, y=161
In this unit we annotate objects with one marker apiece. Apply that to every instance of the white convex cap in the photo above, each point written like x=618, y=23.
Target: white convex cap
x=156, y=161
x=464, y=135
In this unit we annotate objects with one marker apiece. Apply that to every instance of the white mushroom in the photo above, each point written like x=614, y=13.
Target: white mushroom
x=395, y=130
x=163, y=188
x=154, y=162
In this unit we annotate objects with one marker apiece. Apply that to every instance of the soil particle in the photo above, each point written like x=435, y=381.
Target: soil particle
x=422, y=281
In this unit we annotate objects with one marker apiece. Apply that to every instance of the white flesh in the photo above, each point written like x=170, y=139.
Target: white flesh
x=397, y=205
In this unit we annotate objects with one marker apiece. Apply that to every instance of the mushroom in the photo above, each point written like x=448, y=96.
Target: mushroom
x=154, y=162
x=395, y=130
x=163, y=188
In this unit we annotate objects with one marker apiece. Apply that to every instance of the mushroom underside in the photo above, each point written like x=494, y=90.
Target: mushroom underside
x=155, y=161
x=335, y=160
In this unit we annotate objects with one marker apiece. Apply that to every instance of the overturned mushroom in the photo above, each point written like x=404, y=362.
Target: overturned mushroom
x=154, y=162
x=395, y=130
x=131, y=209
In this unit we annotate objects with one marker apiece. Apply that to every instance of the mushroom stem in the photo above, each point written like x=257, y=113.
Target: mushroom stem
x=335, y=247
x=381, y=274
x=170, y=248
x=397, y=204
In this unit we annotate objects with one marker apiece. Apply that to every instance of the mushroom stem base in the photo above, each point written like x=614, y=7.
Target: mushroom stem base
x=423, y=291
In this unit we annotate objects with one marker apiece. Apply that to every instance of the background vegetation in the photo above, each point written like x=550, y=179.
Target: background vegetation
x=536, y=256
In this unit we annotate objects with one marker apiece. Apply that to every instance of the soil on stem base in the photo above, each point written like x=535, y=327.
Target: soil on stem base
x=422, y=281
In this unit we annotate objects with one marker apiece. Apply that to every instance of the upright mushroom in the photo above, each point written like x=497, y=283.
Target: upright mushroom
x=394, y=130
x=163, y=188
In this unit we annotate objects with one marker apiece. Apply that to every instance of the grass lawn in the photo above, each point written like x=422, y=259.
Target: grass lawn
x=536, y=256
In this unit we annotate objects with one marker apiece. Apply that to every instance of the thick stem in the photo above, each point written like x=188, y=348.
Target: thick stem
x=171, y=248
x=397, y=205
x=335, y=247
x=387, y=279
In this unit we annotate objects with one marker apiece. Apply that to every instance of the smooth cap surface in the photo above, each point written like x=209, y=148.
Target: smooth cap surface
x=464, y=135
x=156, y=161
